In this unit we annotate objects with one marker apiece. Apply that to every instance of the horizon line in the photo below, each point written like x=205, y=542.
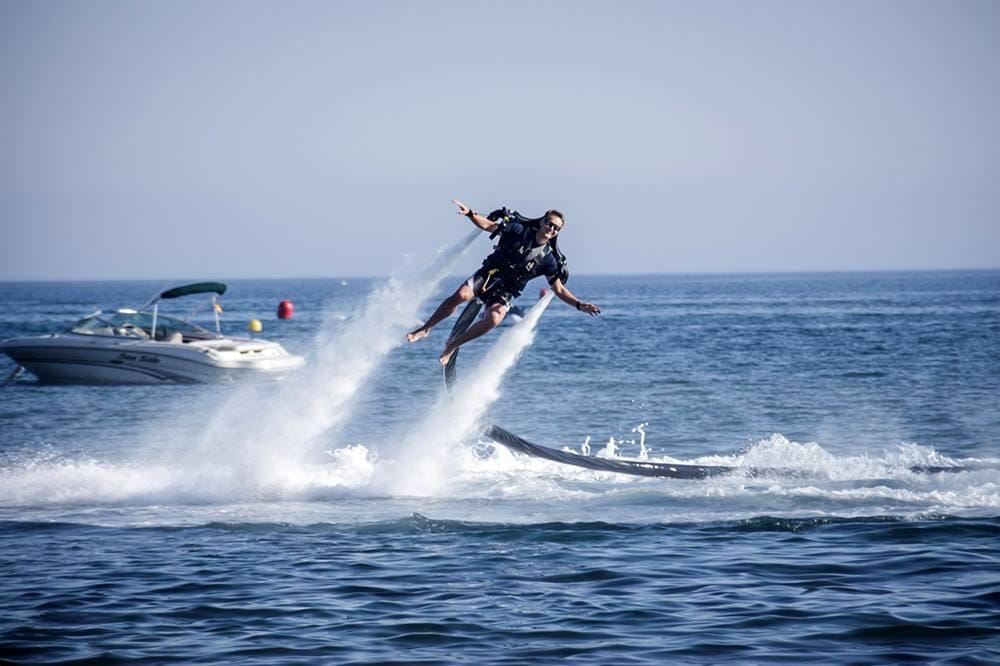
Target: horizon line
x=832, y=271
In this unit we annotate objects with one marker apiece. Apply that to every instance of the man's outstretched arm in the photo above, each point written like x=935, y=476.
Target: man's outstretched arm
x=567, y=297
x=481, y=221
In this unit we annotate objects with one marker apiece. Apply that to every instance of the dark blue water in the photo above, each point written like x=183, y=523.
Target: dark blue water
x=352, y=515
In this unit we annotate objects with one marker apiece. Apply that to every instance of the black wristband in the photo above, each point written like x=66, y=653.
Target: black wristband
x=578, y=304
x=470, y=214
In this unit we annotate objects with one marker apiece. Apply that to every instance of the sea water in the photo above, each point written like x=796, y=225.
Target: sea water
x=353, y=514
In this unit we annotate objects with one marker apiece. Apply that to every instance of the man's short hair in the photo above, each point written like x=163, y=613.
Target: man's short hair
x=554, y=213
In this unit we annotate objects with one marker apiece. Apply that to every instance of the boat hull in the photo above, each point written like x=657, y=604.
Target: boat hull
x=74, y=359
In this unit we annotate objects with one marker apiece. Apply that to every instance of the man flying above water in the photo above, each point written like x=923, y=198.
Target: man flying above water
x=522, y=254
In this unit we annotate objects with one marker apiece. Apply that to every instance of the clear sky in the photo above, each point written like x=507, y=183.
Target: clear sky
x=211, y=139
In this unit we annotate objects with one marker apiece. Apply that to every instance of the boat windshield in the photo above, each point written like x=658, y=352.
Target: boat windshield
x=121, y=323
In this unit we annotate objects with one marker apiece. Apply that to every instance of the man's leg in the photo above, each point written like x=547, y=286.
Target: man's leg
x=445, y=310
x=491, y=319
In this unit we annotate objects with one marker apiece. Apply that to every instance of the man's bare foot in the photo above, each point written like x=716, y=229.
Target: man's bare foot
x=447, y=354
x=418, y=334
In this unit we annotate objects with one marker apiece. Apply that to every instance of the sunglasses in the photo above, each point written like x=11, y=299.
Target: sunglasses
x=550, y=225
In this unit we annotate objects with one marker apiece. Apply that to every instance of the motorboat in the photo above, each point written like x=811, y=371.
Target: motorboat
x=142, y=346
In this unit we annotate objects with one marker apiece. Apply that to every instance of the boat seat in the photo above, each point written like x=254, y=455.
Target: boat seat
x=173, y=337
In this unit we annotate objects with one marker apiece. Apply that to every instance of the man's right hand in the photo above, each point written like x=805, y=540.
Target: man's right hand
x=462, y=208
x=489, y=226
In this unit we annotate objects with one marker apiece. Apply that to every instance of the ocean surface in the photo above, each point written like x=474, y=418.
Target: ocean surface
x=353, y=514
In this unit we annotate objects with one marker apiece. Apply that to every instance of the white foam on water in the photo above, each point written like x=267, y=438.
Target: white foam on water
x=470, y=482
x=91, y=482
x=824, y=483
x=429, y=453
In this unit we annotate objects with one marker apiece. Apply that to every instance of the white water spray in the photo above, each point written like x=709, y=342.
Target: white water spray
x=258, y=440
x=423, y=464
x=641, y=429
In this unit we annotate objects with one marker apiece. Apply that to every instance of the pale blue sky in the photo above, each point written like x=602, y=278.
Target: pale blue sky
x=203, y=139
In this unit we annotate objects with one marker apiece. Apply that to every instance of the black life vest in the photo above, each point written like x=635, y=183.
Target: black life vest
x=517, y=261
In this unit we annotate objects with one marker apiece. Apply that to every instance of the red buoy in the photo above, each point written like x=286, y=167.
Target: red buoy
x=285, y=310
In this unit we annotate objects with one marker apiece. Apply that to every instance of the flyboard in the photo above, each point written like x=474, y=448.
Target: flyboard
x=619, y=465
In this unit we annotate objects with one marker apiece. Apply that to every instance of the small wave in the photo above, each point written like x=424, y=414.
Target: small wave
x=900, y=526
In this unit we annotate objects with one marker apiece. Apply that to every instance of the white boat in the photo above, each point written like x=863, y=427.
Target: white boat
x=144, y=347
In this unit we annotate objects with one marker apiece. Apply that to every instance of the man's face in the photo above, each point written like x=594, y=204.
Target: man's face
x=551, y=227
